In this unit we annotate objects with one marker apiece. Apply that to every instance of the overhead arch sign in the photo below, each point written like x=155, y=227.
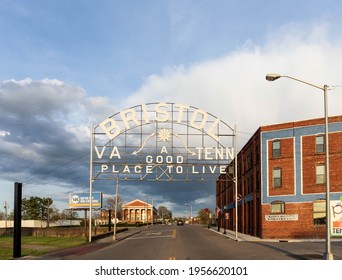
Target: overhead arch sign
x=161, y=141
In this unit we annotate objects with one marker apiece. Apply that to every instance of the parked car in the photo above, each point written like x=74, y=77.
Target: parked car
x=180, y=223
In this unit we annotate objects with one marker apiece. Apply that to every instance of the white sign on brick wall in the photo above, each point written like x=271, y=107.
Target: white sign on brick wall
x=281, y=217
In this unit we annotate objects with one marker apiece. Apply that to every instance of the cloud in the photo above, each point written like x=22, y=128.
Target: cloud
x=37, y=144
x=4, y=133
x=48, y=99
x=99, y=108
x=234, y=88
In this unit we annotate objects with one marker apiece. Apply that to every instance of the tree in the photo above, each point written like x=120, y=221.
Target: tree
x=36, y=208
x=54, y=214
x=203, y=215
x=164, y=213
x=110, y=204
x=68, y=215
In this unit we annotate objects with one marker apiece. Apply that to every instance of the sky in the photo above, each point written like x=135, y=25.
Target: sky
x=65, y=65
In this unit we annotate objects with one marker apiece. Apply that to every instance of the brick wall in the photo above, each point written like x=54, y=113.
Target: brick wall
x=335, y=160
x=303, y=228
x=311, y=159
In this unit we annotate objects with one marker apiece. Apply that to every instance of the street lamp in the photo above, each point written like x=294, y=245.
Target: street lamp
x=272, y=77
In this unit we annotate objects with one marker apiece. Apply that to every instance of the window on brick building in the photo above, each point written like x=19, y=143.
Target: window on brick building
x=320, y=147
x=320, y=174
x=319, y=214
x=278, y=207
x=276, y=148
x=277, y=177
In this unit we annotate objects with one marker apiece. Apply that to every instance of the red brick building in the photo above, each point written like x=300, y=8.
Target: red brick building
x=282, y=182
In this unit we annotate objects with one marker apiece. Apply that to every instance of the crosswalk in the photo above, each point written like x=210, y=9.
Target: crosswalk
x=155, y=234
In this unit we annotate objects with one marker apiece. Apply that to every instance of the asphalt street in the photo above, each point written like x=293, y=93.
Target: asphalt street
x=194, y=242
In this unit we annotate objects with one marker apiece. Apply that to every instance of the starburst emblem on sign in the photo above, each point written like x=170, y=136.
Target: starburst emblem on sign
x=164, y=135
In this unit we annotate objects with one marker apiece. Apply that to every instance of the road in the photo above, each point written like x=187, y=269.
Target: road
x=195, y=242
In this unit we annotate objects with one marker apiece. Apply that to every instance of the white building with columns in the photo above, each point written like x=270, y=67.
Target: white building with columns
x=135, y=211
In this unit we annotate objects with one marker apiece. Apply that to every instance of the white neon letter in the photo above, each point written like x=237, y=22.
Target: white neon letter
x=100, y=155
x=145, y=113
x=207, y=152
x=212, y=127
x=230, y=153
x=161, y=115
x=115, y=153
x=181, y=110
x=149, y=159
x=203, y=121
x=104, y=168
x=164, y=150
x=137, y=169
x=126, y=169
x=129, y=115
x=110, y=127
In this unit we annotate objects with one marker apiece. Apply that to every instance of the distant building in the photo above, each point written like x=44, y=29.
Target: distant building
x=104, y=217
x=135, y=211
x=282, y=181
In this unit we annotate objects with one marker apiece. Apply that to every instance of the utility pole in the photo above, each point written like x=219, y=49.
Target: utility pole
x=146, y=210
x=152, y=212
x=116, y=207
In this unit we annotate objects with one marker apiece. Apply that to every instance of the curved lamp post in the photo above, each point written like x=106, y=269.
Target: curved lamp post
x=272, y=77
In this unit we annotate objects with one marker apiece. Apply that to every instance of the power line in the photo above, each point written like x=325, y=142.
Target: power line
x=53, y=169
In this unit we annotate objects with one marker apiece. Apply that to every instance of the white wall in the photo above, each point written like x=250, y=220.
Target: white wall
x=39, y=223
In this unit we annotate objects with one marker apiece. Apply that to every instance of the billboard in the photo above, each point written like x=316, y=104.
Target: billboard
x=336, y=217
x=82, y=200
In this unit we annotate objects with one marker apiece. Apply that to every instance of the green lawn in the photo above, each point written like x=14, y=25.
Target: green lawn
x=37, y=246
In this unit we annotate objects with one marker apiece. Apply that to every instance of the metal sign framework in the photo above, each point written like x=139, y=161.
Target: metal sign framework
x=161, y=142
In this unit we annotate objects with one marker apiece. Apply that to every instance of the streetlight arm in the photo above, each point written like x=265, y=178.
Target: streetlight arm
x=272, y=77
x=301, y=81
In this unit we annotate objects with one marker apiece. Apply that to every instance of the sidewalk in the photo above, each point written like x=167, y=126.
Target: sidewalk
x=240, y=236
x=245, y=237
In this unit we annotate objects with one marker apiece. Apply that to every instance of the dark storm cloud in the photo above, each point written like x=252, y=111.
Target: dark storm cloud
x=44, y=142
x=36, y=139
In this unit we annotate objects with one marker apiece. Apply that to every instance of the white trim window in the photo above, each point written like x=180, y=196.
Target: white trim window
x=319, y=213
x=277, y=177
x=320, y=147
x=276, y=151
x=278, y=207
x=320, y=174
